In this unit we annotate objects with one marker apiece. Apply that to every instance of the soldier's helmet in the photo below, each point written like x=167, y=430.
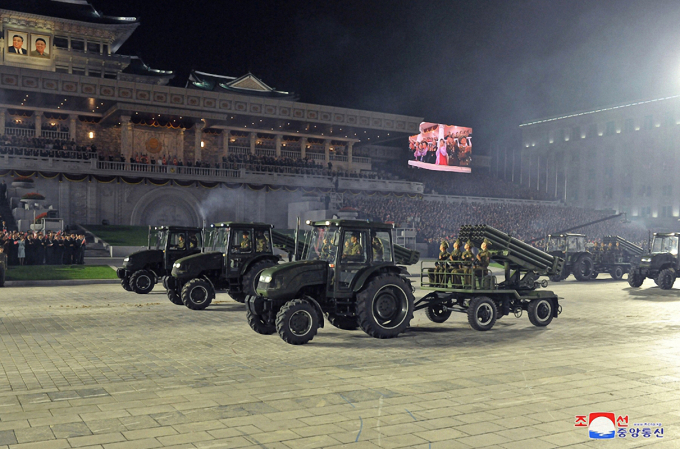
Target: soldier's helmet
x=468, y=243
x=487, y=242
x=444, y=244
x=457, y=242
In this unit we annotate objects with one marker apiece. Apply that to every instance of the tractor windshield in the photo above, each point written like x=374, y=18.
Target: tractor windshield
x=322, y=244
x=161, y=239
x=218, y=239
x=556, y=244
x=665, y=244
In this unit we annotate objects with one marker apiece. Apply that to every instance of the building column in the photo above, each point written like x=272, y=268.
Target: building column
x=2, y=122
x=226, y=134
x=72, y=125
x=327, y=150
x=198, y=136
x=349, y=155
x=38, y=123
x=303, y=147
x=180, y=150
x=278, y=145
x=253, y=138
x=125, y=136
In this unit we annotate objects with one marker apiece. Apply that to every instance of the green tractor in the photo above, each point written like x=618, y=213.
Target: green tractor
x=347, y=271
x=661, y=264
x=142, y=270
x=577, y=260
x=233, y=260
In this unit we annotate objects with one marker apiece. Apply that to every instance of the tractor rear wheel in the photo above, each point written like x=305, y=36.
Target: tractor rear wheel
x=385, y=306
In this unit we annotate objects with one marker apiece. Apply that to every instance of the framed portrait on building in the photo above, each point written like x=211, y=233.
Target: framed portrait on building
x=40, y=46
x=18, y=42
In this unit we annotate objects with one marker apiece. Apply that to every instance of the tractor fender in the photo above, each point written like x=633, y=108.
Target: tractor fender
x=317, y=306
x=366, y=273
x=250, y=262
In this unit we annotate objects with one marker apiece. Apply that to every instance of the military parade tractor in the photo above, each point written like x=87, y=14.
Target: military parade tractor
x=3, y=268
x=661, y=264
x=348, y=271
x=617, y=257
x=142, y=269
x=572, y=249
x=238, y=254
x=478, y=293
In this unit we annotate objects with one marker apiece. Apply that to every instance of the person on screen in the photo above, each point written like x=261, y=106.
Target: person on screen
x=40, y=46
x=17, y=43
x=442, y=156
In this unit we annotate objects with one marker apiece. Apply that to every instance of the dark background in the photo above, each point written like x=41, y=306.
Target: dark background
x=490, y=65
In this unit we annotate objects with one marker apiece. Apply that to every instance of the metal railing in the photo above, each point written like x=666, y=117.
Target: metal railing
x=170, y=169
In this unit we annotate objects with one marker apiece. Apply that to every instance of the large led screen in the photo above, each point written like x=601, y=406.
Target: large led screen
x=442, y=148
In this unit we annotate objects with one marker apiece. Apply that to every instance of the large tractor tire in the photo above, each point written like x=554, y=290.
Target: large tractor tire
x=297, y=322
x=583, y=268
x=347, y=323
x=385, y=306
x=635, y=279
x=556, y=277
x=197, y=294
x=616, y=273
x=250, y=280
x=142, y=281
x=174, y=297
x=540, y=312
x=257, y=323
x=125, y=283
x=667, y=278
x=437, y=313
x=482, y=313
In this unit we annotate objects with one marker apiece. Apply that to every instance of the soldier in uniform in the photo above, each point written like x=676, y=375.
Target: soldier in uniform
x=455, y=267
x=378, y=248
x=261, y=245
x=325, y=250
x=467, y=257
x=481, y=262
x=245, y=243
x=354, y=250
x=439, y=273
x=180, y=242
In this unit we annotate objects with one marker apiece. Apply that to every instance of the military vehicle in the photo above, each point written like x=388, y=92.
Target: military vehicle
x=348, y=271
x=141, y=270
x=586, y=265
x=478, y=293
x=660, y=264
x=3, y=268
x=238, y=253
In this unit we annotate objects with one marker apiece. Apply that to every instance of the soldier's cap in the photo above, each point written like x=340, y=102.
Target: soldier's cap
x=457, y=242
x=487, y=241
x=469, y=243
x=444, y=243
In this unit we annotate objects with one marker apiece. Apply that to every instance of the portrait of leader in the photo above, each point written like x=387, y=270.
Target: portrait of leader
x=39, y=46
x=17, y=46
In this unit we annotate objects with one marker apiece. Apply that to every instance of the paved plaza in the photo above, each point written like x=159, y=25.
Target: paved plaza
x=93, y=366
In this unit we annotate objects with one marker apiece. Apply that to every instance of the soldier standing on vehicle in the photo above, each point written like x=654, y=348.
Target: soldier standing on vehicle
x=456, y=268
x=483, y=259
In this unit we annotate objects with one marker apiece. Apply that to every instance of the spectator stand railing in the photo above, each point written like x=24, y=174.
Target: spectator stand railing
x=22, y=132
x=57, y=135
x=483, y=199
x=239, y=150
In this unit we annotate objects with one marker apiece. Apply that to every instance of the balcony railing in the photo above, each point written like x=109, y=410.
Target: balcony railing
x=239, y=150
x=59, y=135
x=317, y=156
x=23, y=132
x=292, y=154
x=338, y=158
x=265, y=152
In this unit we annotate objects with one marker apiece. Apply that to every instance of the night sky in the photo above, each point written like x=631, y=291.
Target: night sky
x=490, y=65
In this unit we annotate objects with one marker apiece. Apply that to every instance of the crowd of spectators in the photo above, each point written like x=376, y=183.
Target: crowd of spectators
x=44, y=147
x=465, y=184
x=435, y=221
x=53, y=248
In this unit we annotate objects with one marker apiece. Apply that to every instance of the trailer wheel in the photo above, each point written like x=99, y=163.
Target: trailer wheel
x=297, y=322
x=125, y=283
x=437, y=313
x=142, y=281
x=482, y=313
x=635, y=279
x=258, y=324
x=616, y=273
x=385, y=306
x=174, y=297
x=556, y=277
x=583, y=268
x=346, y=323
x=540, y=312
x=197, y=294
x=666, y=279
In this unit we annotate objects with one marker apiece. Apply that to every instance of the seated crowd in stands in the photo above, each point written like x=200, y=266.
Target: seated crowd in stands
x=435, y=221
x=465, y=184
x=44, y=147
x=53, y=248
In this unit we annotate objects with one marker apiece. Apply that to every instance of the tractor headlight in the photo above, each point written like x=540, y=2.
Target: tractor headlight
x=176, y=265
x=646, y=259
x=127, y=259
x=266, y=279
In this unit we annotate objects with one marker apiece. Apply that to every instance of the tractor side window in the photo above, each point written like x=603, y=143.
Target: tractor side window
x=380, y=246
x=177, y=241
x=262, y=242
x=194, y=240
x=354, y=247
x=242, y=242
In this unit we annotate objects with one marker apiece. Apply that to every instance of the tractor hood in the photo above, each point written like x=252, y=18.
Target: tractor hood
x=655, y=260
x=192, y=266
x=284, y=282
x=140, y=259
